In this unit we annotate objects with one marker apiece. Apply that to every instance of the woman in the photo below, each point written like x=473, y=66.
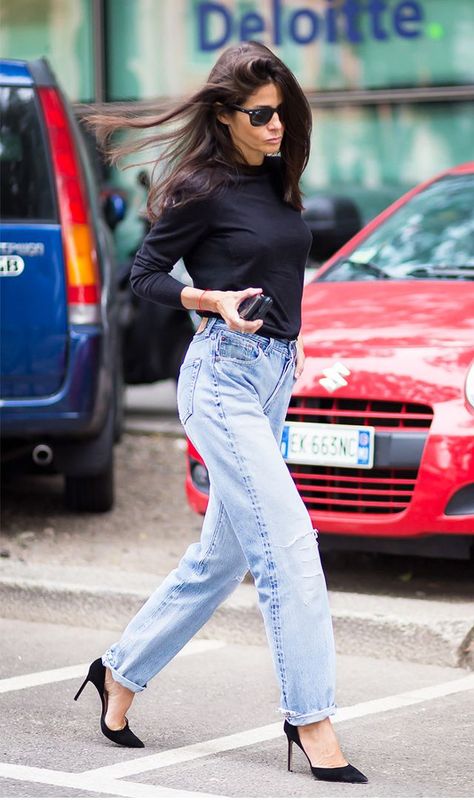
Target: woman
x=231, y=207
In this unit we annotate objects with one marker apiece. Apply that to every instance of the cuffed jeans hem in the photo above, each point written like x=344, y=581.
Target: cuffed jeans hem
x=311, y=716
x=124, y=681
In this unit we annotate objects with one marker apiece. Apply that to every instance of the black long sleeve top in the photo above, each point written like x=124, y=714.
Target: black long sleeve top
x=243, y=235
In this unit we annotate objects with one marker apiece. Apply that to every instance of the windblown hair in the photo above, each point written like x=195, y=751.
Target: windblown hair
x=196, y=152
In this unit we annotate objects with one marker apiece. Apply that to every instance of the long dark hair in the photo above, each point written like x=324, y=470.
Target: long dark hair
x=199, y=155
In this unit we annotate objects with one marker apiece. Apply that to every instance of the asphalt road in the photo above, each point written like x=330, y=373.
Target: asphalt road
x=209, y=719
x=211, y=726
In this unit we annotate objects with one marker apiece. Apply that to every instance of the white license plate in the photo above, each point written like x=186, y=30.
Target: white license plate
x=328, y=445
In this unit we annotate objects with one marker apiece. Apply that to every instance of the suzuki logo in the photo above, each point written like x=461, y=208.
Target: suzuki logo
x=334, y=377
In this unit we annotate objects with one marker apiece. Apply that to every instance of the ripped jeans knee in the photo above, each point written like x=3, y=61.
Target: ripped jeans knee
x=301, y=561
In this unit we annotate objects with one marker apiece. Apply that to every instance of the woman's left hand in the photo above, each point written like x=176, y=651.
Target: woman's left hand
x=300, y=357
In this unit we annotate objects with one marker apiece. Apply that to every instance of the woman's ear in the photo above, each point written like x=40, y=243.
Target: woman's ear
x=222, y=116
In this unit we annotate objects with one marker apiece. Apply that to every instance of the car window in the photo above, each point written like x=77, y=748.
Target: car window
x=431, y=237
x=26, y=191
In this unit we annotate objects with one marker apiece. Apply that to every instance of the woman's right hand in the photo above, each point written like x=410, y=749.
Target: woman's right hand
x=227, y=303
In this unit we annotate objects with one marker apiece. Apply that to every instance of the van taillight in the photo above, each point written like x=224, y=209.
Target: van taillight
x=83, y=285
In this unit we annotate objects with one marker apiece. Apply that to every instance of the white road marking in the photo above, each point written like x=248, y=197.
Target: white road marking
x=394, y=701
x=192, y=648
x=83, y=781
x=245, y=738
x=41, y=678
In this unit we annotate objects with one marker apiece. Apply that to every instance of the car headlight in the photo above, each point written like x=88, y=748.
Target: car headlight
x=469, y=389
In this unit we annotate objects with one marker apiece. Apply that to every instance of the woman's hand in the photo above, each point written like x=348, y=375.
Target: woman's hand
x=227, y=303
x=300, y=356
x=224, y=303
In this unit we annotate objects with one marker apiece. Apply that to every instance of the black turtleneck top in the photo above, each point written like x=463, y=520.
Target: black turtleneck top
x=243, y=235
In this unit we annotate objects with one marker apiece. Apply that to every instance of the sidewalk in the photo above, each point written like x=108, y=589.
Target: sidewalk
x=422, y=631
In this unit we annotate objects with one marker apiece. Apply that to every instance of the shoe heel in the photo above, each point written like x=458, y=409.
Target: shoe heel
x=290, y=755
x=89, y=677
x=81, y=689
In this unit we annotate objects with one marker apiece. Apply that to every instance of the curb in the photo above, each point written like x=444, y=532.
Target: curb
x=422, y=631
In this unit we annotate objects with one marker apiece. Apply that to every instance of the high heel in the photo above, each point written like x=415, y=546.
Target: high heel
x=125, y=737
x=346, y=774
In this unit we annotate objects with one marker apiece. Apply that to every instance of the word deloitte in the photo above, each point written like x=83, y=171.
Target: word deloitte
x=333, y=24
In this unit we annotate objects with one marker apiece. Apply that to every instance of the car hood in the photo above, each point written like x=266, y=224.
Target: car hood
x=400, y=340
x=400, y=314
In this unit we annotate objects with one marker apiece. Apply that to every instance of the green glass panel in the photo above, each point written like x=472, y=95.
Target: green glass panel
x=168, y=47
x=61, y=30
x=442, y=54
x=150, y=49
x=373, y=154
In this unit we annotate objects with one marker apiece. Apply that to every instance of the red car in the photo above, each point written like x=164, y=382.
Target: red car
x=379, y=435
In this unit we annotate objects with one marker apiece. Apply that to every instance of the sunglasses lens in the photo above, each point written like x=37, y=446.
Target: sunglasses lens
x=262, y=116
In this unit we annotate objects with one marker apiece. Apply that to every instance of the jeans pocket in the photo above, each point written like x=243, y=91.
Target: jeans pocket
x=233, y=346
x=185, y=389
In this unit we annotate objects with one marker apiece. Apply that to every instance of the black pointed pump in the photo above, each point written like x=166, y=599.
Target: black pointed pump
x=346, y=774
x=125, y=737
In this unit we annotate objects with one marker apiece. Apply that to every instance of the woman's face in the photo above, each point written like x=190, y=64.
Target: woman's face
x=255, y=142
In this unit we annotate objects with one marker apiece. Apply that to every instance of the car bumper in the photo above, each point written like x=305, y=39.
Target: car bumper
x=443, y=489
x=442, y=498
x=78, y=409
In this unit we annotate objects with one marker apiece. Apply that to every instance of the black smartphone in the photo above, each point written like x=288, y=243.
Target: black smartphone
x=255, y=307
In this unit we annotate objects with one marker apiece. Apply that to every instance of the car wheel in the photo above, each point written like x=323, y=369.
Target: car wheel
x=91, y=492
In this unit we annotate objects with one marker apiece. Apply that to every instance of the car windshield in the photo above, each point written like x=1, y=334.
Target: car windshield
x=431, y=237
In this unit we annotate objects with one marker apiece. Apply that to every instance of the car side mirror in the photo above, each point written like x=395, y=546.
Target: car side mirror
x=332, y=221
x=114, y=207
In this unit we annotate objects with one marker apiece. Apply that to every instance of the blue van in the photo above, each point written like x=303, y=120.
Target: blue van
x=61, y=385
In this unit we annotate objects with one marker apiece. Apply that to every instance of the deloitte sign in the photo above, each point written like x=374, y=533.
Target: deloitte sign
x=333, y=23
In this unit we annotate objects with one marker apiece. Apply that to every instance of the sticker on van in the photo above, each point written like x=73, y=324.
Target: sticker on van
x=11, y=266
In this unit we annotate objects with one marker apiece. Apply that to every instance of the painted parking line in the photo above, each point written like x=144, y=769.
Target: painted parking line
x=74, y=780
x=254, y=736
x=79, y=670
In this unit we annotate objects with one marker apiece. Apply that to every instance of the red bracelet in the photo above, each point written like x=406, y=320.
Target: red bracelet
x=200, y=298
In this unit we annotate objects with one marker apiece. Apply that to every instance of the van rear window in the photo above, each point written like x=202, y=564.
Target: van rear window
x=26, y=192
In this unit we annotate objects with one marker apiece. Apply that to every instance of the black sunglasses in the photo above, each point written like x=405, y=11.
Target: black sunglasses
x=259, y=116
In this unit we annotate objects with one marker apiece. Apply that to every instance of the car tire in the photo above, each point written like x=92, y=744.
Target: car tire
x=93, y=493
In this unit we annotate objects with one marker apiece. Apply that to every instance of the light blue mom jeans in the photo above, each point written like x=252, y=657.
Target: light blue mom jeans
x=233, y=394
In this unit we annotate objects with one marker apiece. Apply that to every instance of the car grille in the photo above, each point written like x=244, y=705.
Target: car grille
x=382, y=414
x=357, y=491
x=352, y=491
